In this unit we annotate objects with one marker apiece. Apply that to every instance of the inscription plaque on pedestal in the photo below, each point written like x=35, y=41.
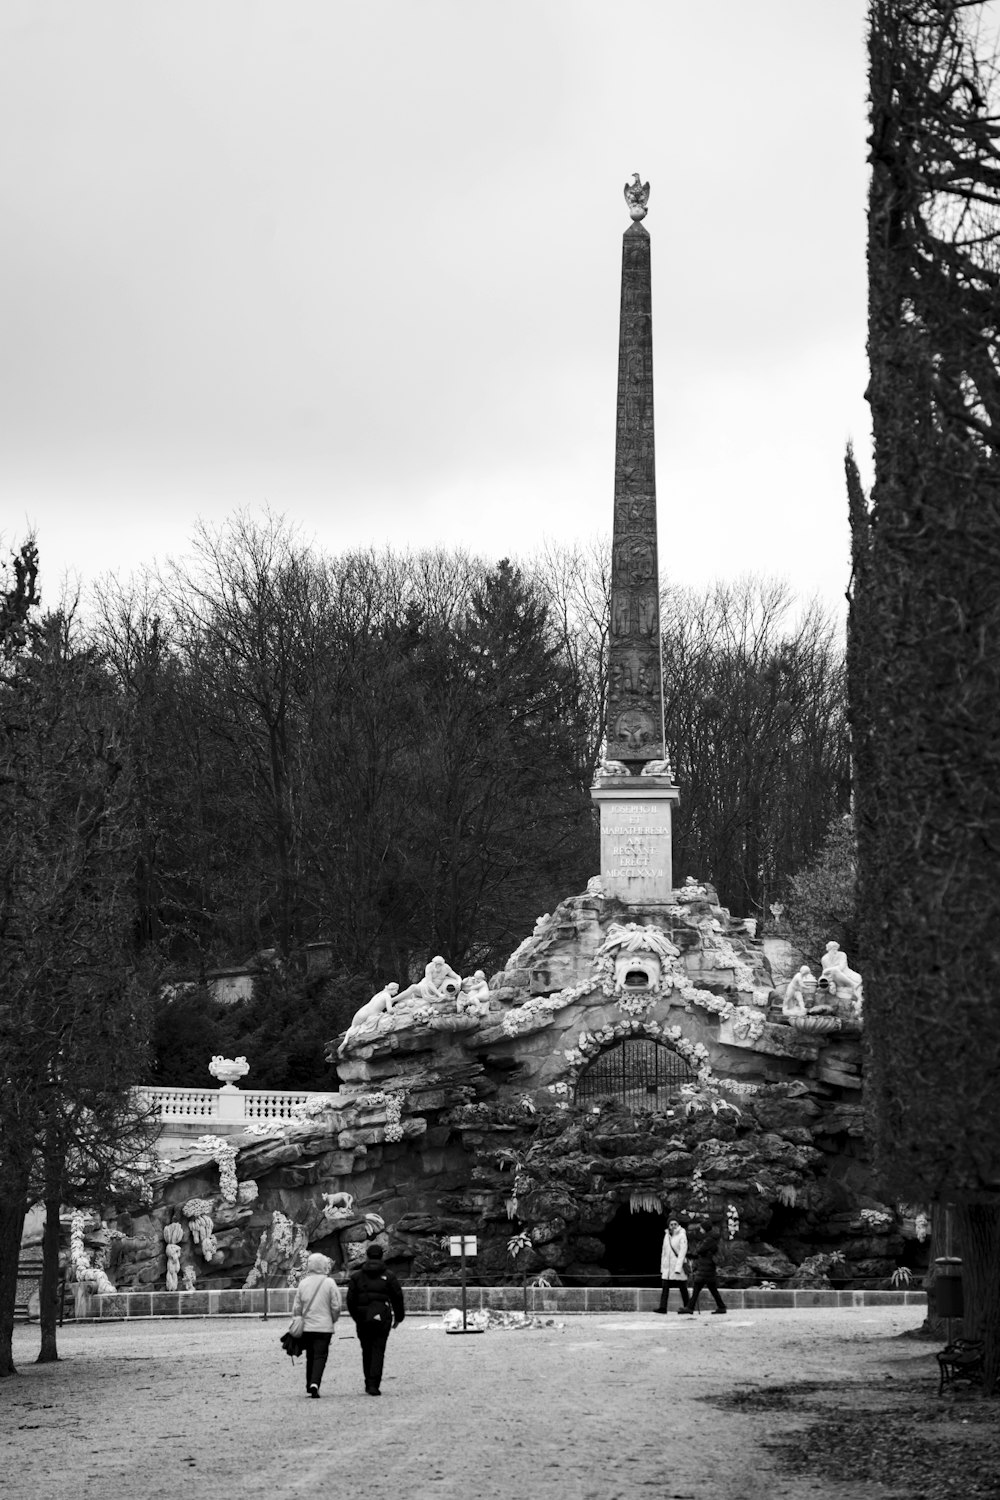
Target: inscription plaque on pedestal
x=636, y=854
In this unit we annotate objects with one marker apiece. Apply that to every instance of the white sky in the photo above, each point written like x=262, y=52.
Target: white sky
x=359, y=260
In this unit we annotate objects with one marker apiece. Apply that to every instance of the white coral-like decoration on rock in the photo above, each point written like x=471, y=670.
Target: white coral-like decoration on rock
x=86, y=1274
x=312, y=1108
x=225, y=1155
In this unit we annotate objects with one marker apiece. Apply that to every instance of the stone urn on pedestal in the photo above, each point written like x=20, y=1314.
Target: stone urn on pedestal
x=227, y=1070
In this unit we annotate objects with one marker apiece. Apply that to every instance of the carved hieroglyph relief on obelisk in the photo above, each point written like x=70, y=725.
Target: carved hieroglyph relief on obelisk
x=635, y=789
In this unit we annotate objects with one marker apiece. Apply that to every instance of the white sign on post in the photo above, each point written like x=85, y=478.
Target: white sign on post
x=459, y=1242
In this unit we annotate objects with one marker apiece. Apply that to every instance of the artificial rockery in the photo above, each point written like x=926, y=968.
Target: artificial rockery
x=489, y=1108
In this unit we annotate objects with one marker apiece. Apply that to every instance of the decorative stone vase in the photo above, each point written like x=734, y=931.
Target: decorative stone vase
x=815, y=1024
x=227, y=1070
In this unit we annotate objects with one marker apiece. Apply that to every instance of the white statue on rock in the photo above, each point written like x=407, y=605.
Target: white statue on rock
x=440, y=982
x=474, y=995
x=378, y=1005
x=842, y=982
x=799, y=992
x=337, y=1204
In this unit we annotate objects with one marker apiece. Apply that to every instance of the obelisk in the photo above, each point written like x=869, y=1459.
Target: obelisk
x=635, y=788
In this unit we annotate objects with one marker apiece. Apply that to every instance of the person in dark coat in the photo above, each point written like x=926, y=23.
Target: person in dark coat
x=375, y=1302
x=703, y=1260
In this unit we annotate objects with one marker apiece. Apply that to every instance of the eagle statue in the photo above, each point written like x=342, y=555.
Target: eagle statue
x=637, y=196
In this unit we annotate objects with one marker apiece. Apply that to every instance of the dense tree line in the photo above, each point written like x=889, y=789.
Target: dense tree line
x=388, y=753
x=924, y=638
x=392, y=753
x=382, y=752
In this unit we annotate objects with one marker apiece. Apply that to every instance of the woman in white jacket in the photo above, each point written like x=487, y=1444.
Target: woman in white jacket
x=672, y=1269
x=317, y=1302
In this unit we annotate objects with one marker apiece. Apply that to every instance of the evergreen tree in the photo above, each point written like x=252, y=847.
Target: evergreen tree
x=72, y=1027
x=925, y=629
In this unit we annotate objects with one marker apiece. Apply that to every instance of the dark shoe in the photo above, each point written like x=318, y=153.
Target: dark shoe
x=659, y=1309
x=682, y=1311
x=717, y=1310
x=314, y=1392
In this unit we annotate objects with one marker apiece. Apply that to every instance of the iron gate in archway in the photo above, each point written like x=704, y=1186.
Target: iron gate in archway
x=639, y=1073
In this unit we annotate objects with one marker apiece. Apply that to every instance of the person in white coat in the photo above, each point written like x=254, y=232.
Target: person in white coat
x=672, y=1269
x=317, y=1302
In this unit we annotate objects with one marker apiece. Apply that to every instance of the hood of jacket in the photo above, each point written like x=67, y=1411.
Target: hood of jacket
x=369, y=1275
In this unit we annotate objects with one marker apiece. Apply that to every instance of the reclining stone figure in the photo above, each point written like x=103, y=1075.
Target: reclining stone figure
x=370, y=1011
x=440, y=982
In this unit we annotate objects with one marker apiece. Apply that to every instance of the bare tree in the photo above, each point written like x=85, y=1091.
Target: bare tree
x=754, y=707
x=248, y=615
x=576, y=580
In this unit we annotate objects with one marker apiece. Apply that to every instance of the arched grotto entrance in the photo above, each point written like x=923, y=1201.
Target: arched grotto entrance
x=638, y=1073
x=632, y=1242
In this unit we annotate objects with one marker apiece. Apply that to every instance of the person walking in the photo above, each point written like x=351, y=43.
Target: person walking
x=317, y=1302
x=672, y=1269
x=375, y=1302
x=705, y=1251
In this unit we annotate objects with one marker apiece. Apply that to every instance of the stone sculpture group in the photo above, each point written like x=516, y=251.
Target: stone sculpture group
x=439, y=987
x=839, y=988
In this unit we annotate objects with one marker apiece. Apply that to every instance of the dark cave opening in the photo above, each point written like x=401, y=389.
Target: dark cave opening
x=632, y=1244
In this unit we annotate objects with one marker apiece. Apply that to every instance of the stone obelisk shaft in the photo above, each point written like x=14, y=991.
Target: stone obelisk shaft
x=634, y=788
x=635, y=691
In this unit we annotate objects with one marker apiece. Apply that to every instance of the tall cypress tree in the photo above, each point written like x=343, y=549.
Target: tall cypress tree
x=72, y=1027
x=924, y=653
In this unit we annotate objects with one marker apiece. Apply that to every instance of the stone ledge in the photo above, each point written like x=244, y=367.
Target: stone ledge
x=429, y=1301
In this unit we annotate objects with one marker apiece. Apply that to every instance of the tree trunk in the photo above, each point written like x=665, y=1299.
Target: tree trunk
x=13, y=1208
x=48, y=1298
x=934, y=1327
x=979, y=1232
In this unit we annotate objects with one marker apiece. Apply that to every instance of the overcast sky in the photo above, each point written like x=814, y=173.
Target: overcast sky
x=359, y=262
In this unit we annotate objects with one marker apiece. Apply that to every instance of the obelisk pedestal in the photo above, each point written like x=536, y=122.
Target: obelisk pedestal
x=635, y=789
x=636, y=852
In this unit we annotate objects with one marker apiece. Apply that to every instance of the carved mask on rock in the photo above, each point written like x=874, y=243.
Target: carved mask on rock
x=637, y=971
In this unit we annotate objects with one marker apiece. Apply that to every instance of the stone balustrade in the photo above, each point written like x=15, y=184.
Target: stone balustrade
x=242, y=1105
x=184, y=1104
x=186, y=1114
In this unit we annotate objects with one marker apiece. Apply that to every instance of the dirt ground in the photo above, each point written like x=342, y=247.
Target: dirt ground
x=758, y=1404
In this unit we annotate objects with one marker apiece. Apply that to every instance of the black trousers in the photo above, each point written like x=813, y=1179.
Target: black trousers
x=703, y=1280
x=317, y=1347
x=373, y=1341
x=681, y=1286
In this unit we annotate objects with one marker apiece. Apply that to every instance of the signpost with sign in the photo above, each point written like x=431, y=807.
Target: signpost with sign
x=463, y=1245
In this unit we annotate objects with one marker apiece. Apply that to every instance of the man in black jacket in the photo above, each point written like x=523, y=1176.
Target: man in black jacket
x=705, y=1251
x=375, y=1302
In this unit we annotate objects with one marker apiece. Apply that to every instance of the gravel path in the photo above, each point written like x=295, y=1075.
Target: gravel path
x=604, y=1407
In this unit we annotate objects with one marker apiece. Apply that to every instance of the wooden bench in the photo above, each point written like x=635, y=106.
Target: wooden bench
x=960, y=1360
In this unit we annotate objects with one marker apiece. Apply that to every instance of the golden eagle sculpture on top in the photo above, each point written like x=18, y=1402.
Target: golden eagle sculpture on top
x=637, y=196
